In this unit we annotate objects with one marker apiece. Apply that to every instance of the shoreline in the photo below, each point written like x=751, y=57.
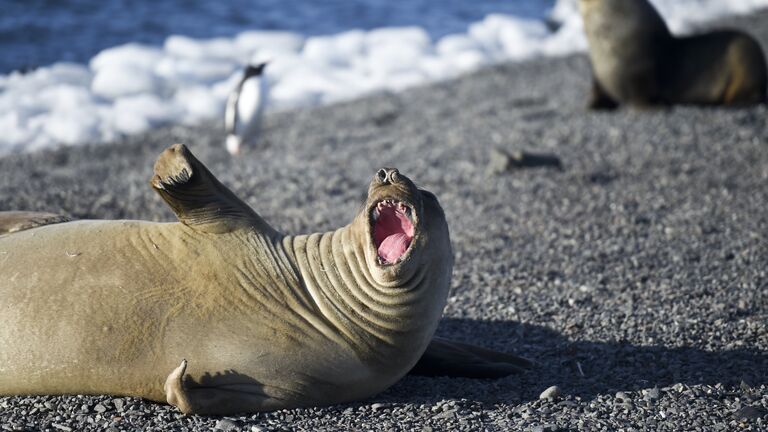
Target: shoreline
x=132, y=88
x=636, y=277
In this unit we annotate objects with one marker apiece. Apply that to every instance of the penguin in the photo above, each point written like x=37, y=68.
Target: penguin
x=245, y=107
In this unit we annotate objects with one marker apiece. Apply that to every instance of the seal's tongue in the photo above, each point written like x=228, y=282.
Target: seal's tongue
x=393, y=232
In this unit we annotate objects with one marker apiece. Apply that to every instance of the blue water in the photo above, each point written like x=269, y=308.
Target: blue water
x=39, y=32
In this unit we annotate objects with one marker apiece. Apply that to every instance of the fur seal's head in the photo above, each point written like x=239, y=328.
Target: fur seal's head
x=404, y=229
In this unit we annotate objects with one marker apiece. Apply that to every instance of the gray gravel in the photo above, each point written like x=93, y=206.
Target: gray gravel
x=636, y=276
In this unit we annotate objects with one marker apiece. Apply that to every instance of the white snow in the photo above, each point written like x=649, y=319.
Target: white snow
x=133, y=87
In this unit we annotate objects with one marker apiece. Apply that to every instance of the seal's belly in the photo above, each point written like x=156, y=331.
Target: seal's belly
x=113, y=307
x=81, y=304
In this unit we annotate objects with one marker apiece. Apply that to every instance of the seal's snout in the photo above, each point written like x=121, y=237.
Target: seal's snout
x=387, y=175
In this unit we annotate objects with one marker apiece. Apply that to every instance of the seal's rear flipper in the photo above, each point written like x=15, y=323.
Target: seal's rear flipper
x=14, y=221
x=599, y=99
x=456, y=359
x=198, y=198
x=223, y=396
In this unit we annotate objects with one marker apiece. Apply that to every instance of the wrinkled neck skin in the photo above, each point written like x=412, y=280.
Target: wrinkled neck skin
x=386, y=321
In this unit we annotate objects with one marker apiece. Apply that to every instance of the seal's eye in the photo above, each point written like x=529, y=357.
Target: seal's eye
x=381, y=175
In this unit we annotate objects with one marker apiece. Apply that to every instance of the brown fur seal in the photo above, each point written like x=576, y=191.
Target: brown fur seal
x=221, y=313
x=637, y=61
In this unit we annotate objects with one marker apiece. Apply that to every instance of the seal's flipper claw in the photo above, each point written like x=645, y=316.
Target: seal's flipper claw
x=197, y=197
x=175, y=394
x=14, y=221
x=455, y=359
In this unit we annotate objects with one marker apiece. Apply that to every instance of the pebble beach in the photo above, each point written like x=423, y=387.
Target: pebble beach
x=635, y=274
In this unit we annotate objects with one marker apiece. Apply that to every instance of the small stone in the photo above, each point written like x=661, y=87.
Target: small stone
x=498, y=163
x=501, y=160
x=622, y=396
x=750, y=413
x=378, y=406
x=551, y=393
x=652, y=394
x=119, y=404
x=61, y=427
x=99, y=408
x=257, y=429
x=225, y=425
x=746, y=388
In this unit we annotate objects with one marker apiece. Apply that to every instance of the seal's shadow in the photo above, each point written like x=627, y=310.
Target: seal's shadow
x=580, y=368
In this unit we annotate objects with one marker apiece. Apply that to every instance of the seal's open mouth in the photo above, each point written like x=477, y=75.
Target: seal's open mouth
x=393, y=229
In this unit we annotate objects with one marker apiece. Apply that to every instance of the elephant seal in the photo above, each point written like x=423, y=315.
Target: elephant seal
x=219, y=313
x=637, y=61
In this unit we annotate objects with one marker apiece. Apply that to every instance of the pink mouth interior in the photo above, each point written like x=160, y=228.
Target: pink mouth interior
x=392, y=233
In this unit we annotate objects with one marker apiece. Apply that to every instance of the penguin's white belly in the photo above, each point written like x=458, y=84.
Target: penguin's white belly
x=249, y=108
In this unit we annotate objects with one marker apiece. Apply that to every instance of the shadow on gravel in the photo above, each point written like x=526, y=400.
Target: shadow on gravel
x=581, y=368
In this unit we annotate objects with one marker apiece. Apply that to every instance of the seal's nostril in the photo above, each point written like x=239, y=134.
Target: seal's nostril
x=393, y=175
x=381, y=175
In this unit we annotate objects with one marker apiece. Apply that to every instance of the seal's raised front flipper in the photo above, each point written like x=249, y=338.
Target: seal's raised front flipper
x=222, y=395
x=14, y=221
x=198, y=198
x=456, y=359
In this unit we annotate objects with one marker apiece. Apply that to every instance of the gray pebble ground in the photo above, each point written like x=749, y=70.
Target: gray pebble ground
x=636, y=276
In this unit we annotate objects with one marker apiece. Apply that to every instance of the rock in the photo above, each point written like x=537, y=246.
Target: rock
x=378, y=406
x=61, y=427
x=746, y=388
x=99, y=408
x=225, y=425
x=445, y=415
x=652, y=394
x=119, y=404
x=501, y=161
x=750, y=413
x=551, y=393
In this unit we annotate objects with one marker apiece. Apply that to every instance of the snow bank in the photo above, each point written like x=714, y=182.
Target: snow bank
x=130, y=88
